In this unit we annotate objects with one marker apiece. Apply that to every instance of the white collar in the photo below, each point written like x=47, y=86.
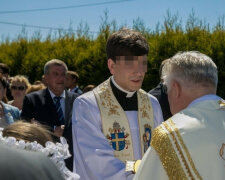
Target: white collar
x=63, y=95
x=129, y=94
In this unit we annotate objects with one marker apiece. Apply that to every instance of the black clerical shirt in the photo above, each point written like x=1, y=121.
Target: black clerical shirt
x=127, y=103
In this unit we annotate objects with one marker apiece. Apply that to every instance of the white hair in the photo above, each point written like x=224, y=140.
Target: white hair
x=191, y=68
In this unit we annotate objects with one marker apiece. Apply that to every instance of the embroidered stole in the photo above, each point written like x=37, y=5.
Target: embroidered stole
x=115, y=124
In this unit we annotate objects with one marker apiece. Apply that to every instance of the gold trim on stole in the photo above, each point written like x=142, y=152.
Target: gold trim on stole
x=145, y=113
x=180, y=139
x=114, y=119
x=167, y=154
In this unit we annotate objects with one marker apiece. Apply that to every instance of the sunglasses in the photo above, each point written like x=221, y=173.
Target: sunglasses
x=20, y=88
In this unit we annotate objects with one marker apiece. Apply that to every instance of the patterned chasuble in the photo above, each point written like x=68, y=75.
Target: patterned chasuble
x=116, y=126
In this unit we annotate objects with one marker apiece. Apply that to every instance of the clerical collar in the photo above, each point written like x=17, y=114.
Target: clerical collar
x=128, y=104
x=128, y=93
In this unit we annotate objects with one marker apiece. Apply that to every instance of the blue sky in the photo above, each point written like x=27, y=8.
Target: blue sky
x=124, y=12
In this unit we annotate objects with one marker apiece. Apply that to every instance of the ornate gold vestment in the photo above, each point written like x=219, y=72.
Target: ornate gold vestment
x=115, y=124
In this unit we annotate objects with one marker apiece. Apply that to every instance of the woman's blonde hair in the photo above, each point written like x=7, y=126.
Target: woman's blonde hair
x=36, y=87
x=28, y=132
x=21, y=79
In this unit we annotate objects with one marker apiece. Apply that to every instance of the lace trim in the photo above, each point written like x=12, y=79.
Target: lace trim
x=57, y=152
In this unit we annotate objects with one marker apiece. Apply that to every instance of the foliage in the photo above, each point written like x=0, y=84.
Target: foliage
x=87, y=55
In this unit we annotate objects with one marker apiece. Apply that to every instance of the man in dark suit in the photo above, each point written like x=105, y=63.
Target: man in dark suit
x=72, y=78
x=25, y=165
x=52, y=106
x=160, y=92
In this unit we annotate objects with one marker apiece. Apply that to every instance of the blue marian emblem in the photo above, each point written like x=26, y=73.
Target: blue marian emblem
x=147, y=136
x=118, y=138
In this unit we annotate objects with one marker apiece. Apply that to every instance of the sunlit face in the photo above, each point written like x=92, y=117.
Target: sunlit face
x=128, y=71
x=70, y=82
x=55, y=79
x=2, y=91
x=18, y=89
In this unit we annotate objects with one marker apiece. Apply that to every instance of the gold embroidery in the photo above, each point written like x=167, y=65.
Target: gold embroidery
x=222, y=103
x=111, y=111
x=107, y=101
x=185, y=148
x=118, y=137
x=162, y=145
x=179, y=150
x=145, y=115
x=145, y=107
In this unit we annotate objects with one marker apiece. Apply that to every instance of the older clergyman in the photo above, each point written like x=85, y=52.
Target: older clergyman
x=190, y=145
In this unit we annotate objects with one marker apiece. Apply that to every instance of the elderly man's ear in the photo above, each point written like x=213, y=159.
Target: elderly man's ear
x=176, y=87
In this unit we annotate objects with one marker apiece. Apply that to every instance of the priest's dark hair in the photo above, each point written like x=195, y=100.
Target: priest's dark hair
x=126, y=42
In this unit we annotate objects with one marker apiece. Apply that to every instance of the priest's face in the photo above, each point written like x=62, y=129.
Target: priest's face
x=128, y=71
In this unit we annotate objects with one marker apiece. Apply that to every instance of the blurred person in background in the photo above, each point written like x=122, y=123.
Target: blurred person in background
x=36, y=87
x=88, y=88
x=19, y=87
x=4, y=71
x=43, y=80
x=38, y=138
x=19, y=164
x=8, y=113
x=160, y=92
x=72, y=78
x=37, y=82
x=52, y=106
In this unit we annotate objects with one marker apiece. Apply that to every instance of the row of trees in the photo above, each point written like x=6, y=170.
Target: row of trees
x=86, y=54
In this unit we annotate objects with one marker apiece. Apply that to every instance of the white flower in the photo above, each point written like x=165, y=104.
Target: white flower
x=10, y=141
x=56, y=152
x=21, y=144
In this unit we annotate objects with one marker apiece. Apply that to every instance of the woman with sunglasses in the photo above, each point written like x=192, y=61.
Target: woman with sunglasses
x=8, y=113
x=19, y=86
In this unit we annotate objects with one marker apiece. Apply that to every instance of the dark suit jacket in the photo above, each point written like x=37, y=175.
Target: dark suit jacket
x=160, y=93
x=77, y=90
x=18, y=164
x=40, y=106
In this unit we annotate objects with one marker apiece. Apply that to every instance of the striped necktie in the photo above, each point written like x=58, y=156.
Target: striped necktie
x=59, y=109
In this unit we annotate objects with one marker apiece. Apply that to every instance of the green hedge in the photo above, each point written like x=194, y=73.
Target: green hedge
x=87, y=56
